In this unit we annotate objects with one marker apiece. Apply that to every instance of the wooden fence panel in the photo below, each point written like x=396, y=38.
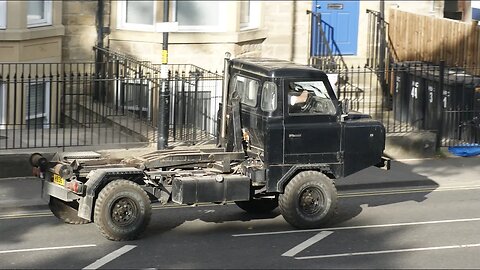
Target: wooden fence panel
x=426, y=38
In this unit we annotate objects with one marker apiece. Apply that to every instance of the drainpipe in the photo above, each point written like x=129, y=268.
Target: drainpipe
x=100, y=12
x=382, y=35
x=292, y=41
x=99, y=87
x=382, y=8
x=381, y=56
x=164, y=102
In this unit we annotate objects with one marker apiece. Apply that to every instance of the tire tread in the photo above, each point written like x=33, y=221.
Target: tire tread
x=290, y=213
x=103, y=195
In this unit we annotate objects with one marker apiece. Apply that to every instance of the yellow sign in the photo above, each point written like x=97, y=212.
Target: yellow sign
x=164, y=56
x=57, y=179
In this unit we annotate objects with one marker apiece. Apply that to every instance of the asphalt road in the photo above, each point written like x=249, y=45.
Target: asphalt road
x=414, y=225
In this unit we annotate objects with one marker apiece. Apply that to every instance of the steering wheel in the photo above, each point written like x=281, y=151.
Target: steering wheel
x=308, y=103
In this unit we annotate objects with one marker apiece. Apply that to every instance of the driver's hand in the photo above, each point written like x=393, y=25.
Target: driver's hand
x=302, y=98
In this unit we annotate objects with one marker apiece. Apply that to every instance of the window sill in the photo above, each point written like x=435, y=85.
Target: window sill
x=32, y=33
x=190, y=37
x=38, y=24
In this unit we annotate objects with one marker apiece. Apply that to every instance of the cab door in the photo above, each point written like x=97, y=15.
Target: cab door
x=312, y=135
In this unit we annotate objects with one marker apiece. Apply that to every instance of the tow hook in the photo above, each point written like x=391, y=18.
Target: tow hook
x=384, y=163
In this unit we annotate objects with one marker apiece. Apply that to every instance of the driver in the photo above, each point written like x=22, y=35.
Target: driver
x=300, y=103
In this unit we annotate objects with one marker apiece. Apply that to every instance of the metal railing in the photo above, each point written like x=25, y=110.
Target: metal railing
x=380, y=52
x=324, y=51
x=424, y=97
x=108, y=103
x=73, y=104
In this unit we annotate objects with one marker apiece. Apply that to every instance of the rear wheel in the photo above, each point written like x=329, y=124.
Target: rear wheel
x=258, y=206
x=309, y=200
x=122, y=210
x=66, y=211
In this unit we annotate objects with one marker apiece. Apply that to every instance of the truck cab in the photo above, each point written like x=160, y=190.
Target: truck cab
x=291, y=117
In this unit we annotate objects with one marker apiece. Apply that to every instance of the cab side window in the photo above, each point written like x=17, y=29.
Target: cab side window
x=269, y=97
x=247, y=90
x=309, y=97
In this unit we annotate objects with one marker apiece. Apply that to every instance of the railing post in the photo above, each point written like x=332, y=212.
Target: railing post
x=309, y=44
x=164, y=102
x=164, y=113
x=440, y=109
x=226, y=77
x=195, y=106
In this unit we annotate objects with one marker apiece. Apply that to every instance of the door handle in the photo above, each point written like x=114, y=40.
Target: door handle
x=318, y=6
x=294, y=135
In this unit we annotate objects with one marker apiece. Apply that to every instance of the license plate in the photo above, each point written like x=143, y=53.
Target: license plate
x=57, y=179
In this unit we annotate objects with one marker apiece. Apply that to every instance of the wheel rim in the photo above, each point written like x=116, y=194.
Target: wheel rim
x=311, y=201
x=124, y=212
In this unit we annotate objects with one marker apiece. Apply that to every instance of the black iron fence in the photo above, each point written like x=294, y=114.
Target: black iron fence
x=324, y=51
x=380, y=52
x=420, y=97
x=115, y=102
x=111, y=103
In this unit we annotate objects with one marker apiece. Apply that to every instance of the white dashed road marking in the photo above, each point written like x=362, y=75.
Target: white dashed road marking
x=297, y=249
x=110, y=257
x=363, y=227
x=386, y=252
x=44, y=249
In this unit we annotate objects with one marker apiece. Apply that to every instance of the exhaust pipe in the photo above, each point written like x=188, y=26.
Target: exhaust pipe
x=226, y=77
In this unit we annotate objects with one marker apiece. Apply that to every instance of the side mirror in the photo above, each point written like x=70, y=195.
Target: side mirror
x=344, y=107
x=344, y=110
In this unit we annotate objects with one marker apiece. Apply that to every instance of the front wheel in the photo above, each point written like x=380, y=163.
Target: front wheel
x=309, y=200
x=122, y=210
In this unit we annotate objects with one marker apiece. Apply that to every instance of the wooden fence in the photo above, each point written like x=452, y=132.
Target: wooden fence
x=426, y=38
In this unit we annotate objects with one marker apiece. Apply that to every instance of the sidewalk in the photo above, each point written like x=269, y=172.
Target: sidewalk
x=21, y=194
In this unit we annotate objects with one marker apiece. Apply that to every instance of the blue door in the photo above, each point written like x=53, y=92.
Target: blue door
x=342, y=16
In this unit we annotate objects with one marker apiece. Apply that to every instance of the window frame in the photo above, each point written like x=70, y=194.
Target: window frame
x=172, y=25
x=242, y=94
x=254, y=16
x=3, y=14
x=46, y=114
x=3, y=105
x=220, y=27
x=47, y=16
x=328, y=96
x=124, y=25
x=263, y=97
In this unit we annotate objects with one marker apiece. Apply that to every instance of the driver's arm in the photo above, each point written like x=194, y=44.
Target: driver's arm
x=302, y=98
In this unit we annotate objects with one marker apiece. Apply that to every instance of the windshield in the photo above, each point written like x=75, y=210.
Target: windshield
x=310, y=97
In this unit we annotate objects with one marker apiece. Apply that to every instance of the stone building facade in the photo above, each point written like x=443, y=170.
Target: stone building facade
x=280, y=29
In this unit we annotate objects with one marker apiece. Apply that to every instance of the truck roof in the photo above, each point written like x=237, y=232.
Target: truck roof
x=276, y=68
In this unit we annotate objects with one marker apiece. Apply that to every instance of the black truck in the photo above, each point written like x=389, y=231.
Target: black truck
x=284, y=137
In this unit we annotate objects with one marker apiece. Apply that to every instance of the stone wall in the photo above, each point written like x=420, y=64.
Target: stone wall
x=80, y=30
x=278, y=21
x=283, y=34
